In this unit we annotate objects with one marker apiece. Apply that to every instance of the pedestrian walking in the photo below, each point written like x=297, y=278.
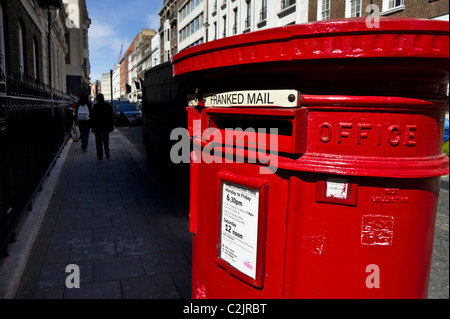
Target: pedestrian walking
x=102, y=125
x=83, y=112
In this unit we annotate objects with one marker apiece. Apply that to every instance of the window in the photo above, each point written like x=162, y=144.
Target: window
x=85, y=42
x=192, y=27
x=395, y=3
x=263, y=13
x=286, y=3
x=188, y=7
x=248, y=19
x=391, y=6
x=35, y=59
x=235, y=12
x=21, y=38
x=355, y=8
x=323, y=9
x=2, y=52
x=224, y=26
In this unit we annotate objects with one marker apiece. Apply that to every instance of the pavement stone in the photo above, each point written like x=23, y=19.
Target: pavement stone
x=109, y=218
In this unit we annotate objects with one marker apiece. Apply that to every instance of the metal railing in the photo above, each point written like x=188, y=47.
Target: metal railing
x=33, y=130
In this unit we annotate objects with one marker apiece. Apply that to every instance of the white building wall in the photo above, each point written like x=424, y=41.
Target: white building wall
x=116, y=82
x=106, y=85
x=132, y=76
x=274, y=16
x=167, y=37
x=193, y=18
x=156, y=57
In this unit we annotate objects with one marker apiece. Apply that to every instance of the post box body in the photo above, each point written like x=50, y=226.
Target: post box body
x=340, y=200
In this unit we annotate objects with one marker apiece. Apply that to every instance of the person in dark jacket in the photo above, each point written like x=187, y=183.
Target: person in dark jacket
x=83, y=112
x=102, y=125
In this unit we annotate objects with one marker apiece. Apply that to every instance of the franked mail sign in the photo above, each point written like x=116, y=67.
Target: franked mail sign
x=275, y=98
x=239, y=227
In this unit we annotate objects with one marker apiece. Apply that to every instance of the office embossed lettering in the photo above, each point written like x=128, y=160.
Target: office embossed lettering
x=361, y=133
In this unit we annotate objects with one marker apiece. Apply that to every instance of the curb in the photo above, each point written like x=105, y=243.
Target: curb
x=13, y=266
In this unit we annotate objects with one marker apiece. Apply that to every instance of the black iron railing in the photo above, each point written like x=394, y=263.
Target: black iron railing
x=33, y=130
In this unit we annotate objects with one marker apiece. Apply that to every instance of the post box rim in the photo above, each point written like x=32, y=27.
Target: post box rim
x=336, y=30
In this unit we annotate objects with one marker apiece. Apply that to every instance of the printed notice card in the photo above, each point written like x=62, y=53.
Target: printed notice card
x=239, y=227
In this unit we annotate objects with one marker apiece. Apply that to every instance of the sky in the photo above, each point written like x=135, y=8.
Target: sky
x=113, y=23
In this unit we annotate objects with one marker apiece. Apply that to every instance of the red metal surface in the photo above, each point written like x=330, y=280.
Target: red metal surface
x=370, y=120
x=333, y=39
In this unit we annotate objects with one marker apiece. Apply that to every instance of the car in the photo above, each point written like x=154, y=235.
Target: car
x=127, y=113
x=446, y=139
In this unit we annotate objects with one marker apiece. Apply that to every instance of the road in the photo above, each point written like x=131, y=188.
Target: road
x=439, y=275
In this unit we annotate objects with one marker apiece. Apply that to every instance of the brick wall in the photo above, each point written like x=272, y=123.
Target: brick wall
x=424, y=8
x=413, y=9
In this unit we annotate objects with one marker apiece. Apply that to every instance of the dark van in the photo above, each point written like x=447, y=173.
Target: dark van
x=164, y=103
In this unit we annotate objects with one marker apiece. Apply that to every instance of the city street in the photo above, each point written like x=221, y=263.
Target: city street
x=439, y=278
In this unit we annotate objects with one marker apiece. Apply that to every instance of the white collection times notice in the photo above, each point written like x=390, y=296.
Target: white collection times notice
x=239, y=227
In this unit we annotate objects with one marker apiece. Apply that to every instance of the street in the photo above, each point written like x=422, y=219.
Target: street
x=439, y=279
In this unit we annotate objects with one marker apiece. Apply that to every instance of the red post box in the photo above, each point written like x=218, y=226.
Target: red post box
x=317, y=159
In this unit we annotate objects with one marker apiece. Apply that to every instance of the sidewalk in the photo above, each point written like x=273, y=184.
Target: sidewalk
x=112, y=218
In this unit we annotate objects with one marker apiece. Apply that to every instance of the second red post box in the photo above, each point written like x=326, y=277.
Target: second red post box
x=317, y=159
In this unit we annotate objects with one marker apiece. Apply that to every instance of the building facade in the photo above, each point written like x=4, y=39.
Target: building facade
x=185, y=23
x=24, y=43
x=77, y=59
x=106, y=85
x=192, y=16
x=426, y=9
x=124, y=71
x=168, y=30
x=116, y=82
x=155, y=51
x=35, y=47
x=139, y=60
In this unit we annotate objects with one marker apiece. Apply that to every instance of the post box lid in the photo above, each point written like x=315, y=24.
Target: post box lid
x=319, y=41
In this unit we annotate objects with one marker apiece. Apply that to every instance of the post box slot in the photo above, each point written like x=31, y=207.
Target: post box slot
x=258, y=124
x=261, y=130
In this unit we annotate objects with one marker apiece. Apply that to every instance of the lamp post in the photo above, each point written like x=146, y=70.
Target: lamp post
x=111, y=85
x=52, y=7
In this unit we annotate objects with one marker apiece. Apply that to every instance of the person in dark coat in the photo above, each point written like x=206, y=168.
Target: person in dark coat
x=102, y=125
x=83, y=112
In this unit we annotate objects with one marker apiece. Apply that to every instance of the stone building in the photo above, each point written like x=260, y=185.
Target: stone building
x=37, y=62
x=168, y=31
x=77, y=59
x=24, y=39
